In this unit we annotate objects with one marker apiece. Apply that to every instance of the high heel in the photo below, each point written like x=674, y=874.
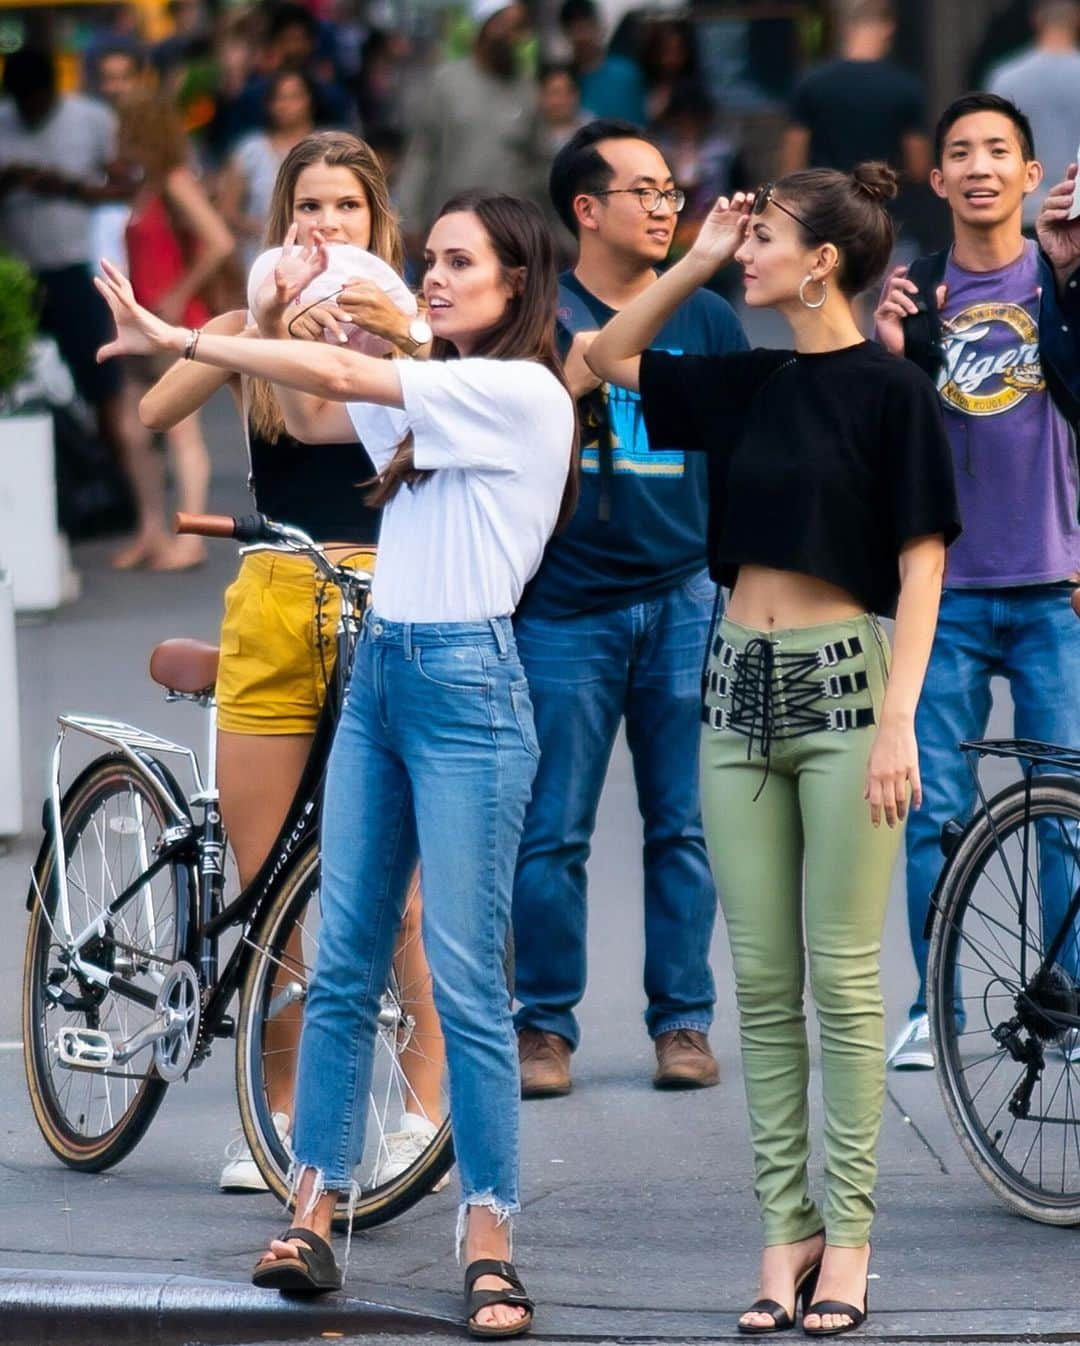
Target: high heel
x=782, y=1320
x=839, y=1308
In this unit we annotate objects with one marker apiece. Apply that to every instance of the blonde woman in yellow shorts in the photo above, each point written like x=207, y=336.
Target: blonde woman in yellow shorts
x=278, y=634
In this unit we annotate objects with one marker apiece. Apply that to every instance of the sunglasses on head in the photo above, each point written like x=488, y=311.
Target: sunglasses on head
x=764, y=198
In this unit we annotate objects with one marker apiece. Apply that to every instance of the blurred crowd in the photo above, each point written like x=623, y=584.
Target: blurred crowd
x=165, y=156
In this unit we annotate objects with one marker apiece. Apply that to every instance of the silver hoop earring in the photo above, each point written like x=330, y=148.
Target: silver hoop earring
x=807, y=280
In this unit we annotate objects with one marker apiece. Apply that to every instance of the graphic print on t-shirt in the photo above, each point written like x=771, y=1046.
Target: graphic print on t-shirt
x=991, y=358
x=630, y=452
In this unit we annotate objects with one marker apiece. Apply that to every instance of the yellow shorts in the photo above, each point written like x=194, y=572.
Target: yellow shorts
x=278, y=644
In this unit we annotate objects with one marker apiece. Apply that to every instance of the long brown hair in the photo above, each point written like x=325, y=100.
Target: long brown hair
x=336, y=149
x=522, y=243
x=151, y=134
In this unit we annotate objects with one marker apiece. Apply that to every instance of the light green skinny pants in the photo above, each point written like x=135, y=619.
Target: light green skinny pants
x=804, y=854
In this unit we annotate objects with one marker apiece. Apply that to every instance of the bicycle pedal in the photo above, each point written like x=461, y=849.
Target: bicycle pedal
x=85, y=1048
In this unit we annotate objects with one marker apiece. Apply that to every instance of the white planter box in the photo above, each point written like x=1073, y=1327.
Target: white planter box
x=10, y=776
x=31, y=550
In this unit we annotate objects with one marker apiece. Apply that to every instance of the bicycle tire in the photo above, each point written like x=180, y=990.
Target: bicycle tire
x=970, y=946
x=105, y=779
x=297, y=889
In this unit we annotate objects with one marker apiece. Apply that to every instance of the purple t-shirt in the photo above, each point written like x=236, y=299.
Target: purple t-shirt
x=1016, y=477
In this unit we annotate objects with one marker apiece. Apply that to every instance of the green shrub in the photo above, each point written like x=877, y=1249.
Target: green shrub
x=18, y=320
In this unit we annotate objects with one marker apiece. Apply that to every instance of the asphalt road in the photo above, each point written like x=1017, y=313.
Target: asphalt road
x=639, y=1223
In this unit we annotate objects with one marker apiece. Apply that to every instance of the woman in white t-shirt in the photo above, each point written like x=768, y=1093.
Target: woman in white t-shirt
x=436, y=749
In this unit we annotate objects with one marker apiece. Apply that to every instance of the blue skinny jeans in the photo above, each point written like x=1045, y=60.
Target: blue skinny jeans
x=435, y=752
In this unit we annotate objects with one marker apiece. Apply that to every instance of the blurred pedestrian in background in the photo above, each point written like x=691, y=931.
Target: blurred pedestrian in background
x=57, y=162
x=119, y=74
x=706, y=163
x=1044, y=82
x=612, y=86
x=669, y=60
x=476, y=124
x=560, y=116
x=176, y=241
x=861, y=106
x=247, y=181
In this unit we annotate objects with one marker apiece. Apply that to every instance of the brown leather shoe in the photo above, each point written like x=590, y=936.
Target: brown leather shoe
x=545, y=1064
x=684, y=1060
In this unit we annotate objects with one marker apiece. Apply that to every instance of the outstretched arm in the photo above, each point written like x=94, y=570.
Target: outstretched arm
x=615, y=355
x=186, y=386
x=331, y=374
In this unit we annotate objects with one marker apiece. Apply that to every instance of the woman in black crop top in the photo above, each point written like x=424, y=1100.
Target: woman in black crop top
x=831, y=501
x=277, y=636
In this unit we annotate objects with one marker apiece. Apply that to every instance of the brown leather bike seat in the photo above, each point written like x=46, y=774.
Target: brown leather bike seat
x=184, y=665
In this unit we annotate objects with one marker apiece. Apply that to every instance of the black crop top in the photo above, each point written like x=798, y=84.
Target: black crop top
x=317, y=487
x=820, y=464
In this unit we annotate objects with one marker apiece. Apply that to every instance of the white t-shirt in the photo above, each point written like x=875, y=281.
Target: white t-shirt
x=462, y=545
x=49, y=232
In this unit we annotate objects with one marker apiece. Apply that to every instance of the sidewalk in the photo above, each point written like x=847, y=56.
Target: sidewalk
x=639, y=1223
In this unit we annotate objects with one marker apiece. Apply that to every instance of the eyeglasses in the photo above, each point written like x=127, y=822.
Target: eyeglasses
x=765, y=198
x=650, y=197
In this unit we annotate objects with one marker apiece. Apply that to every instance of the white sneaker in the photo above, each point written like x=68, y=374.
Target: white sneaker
x=241, y=1173
x=912, y=1050
x=401, y=1149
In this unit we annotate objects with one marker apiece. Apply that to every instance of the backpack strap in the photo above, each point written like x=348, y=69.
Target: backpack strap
x=922, y=330
x=592, y=408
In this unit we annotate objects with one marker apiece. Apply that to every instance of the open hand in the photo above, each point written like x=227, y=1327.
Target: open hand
x=723, y=230
x=893, y=766
x=138, y=331
x=897, y=302
x=1059, y=237
x=295, y=270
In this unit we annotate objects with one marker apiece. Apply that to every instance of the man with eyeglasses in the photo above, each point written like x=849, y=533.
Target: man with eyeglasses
x=613, y=628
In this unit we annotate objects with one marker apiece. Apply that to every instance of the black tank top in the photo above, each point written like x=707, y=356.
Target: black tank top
x=317, y=487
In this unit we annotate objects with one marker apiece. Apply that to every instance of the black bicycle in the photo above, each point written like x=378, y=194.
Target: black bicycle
x=125, y=986
x=1003, y=980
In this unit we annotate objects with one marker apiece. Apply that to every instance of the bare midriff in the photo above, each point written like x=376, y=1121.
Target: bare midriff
x=781, y=600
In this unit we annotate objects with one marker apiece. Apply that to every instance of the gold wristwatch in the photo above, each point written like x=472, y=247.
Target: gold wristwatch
x=419, y=334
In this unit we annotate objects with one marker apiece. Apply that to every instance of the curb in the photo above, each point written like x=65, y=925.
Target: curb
x=126, y=1309
x=129, y=1309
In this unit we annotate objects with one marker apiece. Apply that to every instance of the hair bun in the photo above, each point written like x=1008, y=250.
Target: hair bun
x=876, y=179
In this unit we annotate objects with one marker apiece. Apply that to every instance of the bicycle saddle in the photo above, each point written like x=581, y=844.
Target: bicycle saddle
x=183, y=665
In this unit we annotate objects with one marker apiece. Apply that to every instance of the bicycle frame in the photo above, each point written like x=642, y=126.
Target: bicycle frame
x=202, y=847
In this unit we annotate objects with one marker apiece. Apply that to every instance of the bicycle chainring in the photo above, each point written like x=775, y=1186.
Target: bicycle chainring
x=181, y=994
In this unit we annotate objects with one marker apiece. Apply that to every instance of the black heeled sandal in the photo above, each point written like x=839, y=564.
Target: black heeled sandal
x=514, y=1295
x=782, y=1321
x=312, y=1271
x=839, y=1308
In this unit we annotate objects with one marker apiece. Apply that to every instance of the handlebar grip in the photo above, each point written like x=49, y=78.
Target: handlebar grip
x=206, y=525
x=249, y=528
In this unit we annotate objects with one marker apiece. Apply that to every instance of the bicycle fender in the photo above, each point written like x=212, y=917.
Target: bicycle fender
x=48, y=822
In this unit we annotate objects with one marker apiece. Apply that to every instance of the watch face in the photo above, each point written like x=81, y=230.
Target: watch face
x=420, y=331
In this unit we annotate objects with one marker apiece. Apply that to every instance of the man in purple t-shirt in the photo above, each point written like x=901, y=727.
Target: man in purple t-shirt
x=1007, y=363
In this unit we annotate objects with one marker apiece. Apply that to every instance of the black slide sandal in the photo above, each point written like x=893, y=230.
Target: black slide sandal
x=312, y=1271
x=514, y=1295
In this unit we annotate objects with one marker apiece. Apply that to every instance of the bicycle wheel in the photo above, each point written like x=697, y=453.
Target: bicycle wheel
x=1008, y=1066
x=111, y=822
x=409, y=1078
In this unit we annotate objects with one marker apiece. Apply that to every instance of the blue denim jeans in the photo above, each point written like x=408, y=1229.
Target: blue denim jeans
x=1031, y=637
x=585, y=674
x=435, y=752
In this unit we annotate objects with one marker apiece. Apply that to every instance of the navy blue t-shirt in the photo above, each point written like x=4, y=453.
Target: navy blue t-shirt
x=640, y=525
